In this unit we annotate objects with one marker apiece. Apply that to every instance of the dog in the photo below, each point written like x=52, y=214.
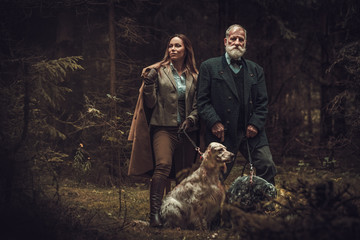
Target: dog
x=196, y=201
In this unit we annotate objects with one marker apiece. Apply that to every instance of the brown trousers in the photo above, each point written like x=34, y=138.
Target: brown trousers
x=172, y=150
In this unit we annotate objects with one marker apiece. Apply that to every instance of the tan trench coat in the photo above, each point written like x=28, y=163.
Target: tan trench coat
x=141, y=161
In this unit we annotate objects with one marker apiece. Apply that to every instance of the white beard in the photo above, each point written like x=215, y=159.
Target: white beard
x=235, y=52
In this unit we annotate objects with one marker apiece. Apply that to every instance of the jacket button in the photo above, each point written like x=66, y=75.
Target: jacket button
x=228, y=110
x=227, y=122
x=229, y=97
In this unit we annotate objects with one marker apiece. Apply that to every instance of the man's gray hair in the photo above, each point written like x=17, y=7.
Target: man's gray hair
x=227, y=33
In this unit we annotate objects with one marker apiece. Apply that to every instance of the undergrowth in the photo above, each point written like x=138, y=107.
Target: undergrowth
x=312, y=204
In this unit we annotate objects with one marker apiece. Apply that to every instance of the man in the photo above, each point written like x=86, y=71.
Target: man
x=232, y=100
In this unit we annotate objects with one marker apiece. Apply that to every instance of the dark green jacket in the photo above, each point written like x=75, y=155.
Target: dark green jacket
x=218, y=101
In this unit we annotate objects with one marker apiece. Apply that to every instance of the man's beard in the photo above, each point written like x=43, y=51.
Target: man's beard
x=235, y=52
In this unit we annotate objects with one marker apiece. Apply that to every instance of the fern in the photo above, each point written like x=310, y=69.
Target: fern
x=34, y=105
x=47, y=75
x=81, y=163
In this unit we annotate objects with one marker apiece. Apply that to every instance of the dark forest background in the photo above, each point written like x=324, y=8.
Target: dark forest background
x=70, y=73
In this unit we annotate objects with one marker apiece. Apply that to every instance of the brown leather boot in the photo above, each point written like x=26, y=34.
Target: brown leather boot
x=156, y=196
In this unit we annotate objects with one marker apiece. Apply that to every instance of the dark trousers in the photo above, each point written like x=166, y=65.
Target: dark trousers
x=261, y=159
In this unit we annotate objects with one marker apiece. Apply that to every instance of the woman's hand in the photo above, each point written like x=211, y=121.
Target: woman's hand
x=151, y=77
x=188, y=123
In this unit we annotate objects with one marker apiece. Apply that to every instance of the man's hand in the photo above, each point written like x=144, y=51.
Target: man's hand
x=218, y=130
x=151, y=77
x=251, y=131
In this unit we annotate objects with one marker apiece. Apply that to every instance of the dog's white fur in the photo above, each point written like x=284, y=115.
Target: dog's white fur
x=196, y=201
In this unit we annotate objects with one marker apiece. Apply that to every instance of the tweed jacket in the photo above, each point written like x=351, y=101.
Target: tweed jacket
x=161, y=111
x=162, y=97
x=218, y=101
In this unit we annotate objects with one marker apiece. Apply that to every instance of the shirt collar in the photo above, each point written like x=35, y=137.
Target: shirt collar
x=174, y=70
x=172, y=66
x=228, y=59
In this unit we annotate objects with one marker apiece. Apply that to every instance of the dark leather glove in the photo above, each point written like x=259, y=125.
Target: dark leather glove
x=188, y=123
x=151, y=77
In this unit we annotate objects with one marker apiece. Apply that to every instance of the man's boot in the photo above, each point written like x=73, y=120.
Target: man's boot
x=156, y=195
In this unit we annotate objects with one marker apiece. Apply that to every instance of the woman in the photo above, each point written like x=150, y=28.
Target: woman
x=166, y=104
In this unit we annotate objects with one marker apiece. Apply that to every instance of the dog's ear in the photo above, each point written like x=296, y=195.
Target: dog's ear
x=224, y=168
x=206, y=153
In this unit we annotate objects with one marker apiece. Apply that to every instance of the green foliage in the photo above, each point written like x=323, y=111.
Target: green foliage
x=47, y=77
x=308, y=207
x=347, y=101
x=114, y=148
x=302, y=166
x=35, y=100
x=48, y=94
x=47, y=163
x=114, y=98
x=130, y=30
x=329, y=163
x=81, y=163
x=82, y=160
x=31, y=112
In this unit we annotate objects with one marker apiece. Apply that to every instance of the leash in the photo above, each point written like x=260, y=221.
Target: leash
x=197, y=149
x=250, y=161
x=192, y=142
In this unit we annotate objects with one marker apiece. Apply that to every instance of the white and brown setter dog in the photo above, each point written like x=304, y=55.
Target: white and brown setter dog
x=195, y=203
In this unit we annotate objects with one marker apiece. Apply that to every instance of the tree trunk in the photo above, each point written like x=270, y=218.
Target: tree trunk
x=67, y=45
x=112, y=54
x=332, y=123
x=65, y=33
x=112, y=47
x=223, y=16
x=309, y=109
x=326, y=119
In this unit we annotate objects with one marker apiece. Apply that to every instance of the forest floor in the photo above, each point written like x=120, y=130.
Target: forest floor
x=93, y=212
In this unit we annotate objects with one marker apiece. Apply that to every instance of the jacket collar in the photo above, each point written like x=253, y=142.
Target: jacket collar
x=226, y=74
x=169, y=75
x=189, y=78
